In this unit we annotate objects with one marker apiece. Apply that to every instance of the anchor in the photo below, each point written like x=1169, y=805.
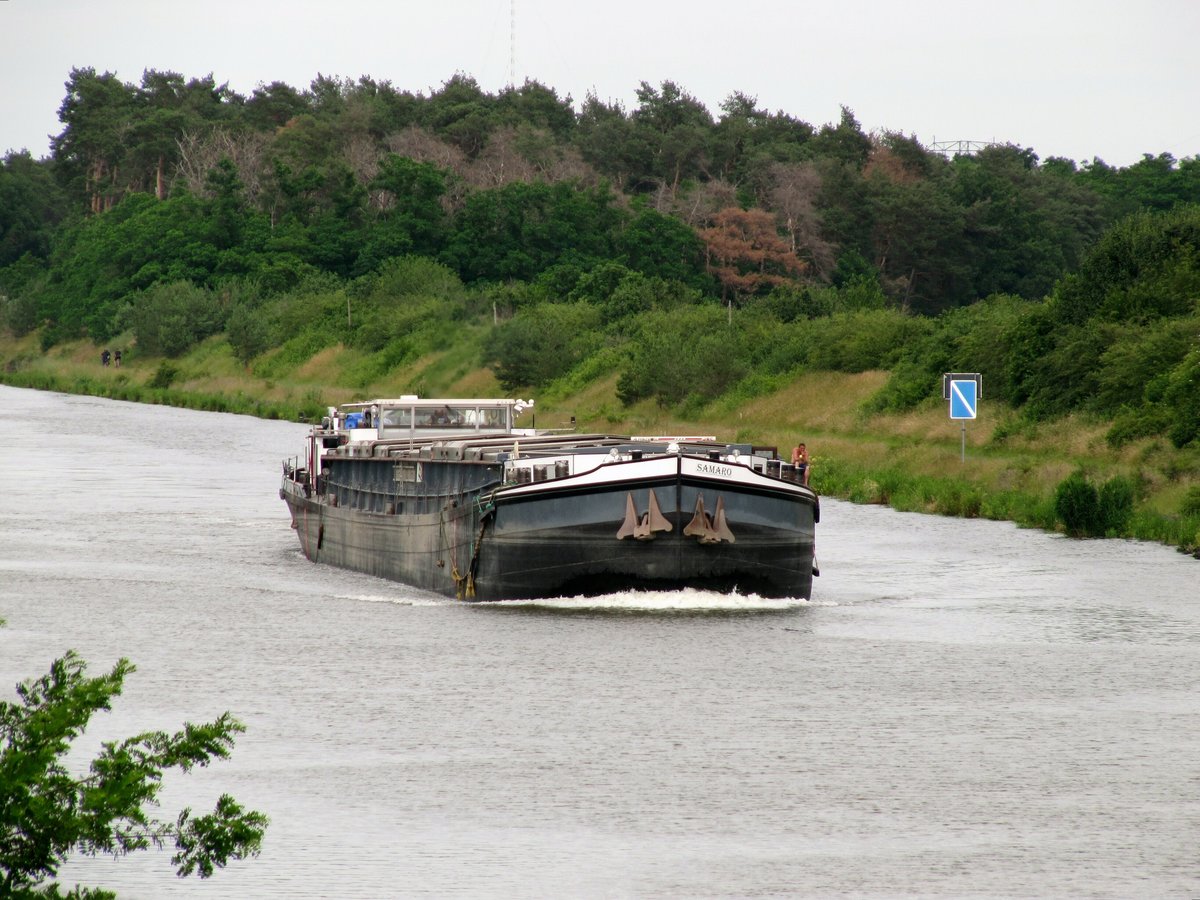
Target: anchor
x=642, y=528
x=710, y=530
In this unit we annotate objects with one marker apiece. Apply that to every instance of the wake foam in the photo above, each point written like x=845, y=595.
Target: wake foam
x=687, y=600
x=410, y=600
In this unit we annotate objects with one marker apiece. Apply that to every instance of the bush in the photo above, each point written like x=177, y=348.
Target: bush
x=863, y=340
x=1115, y=506
x=1136, y=366
x=689, y=351
x=168, y=319
x=1131, y=424
x=1077, y=505
x=543, y=342
x=992, y=337
x=1182, y=397
x=164, y=377
x=248, y=331
x=1190, y=506
x=1087, y=512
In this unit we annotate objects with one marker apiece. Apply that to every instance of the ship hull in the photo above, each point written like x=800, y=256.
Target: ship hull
x=714, y=526
x=430, y=551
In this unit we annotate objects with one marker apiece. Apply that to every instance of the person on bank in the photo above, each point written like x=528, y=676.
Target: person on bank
x=800, y=461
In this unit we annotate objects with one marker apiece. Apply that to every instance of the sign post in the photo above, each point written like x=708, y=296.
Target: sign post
x=963, y=391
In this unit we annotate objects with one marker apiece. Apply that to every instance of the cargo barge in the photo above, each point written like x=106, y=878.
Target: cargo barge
x=450, y=496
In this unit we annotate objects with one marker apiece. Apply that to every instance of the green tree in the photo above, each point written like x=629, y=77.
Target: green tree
x=46, y=811
x=97, y=114
x=462, y=114
x=31, y=205
x=167, y=108
x=536, y=104
x=685, y=352
x=21, y=288
x=1145, y=267
x=542, y=342
x=274, y=105
x=670, y=136
x=863, y=339
x=603, y=136
x=413, y=220
x=520, y=230
x=1024, y=228
x=1154, y=182
x=622, y=294
x=663, y=246
x=1135, y=368
x=845, y=141
x=917, y=236
x=249, y=332
x=101, y=261
x=1182, y=397
x=998, y=337
x=170, y=318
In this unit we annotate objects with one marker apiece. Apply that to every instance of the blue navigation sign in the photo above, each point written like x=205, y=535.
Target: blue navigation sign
x=963, y=400
x=963, y=390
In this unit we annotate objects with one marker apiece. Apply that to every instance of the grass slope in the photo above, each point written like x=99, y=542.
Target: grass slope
x=911, y=461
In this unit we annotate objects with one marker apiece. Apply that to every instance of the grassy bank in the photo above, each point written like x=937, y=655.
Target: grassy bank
x=912, y=461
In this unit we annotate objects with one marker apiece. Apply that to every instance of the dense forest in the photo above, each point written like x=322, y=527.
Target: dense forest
x=696, y=255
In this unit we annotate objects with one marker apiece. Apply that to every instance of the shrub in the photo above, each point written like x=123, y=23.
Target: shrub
x=1115, y=505
x=20, y=313
x=541, y=343
x=684, y=352
x=958, y=499
x=1182, y=396
x=248, y=333
x=1131, y=424
x=168, y=319
x=1077, y=505
x=865, y=339
x=164, y=377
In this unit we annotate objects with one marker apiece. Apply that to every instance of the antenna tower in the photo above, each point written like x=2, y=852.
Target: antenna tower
x=960, y=148
x=512, y=43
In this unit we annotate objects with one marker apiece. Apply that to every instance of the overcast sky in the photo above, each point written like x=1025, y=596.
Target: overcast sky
x=1069, y=78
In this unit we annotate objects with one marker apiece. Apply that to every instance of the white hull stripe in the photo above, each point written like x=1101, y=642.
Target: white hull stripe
x=659, y=467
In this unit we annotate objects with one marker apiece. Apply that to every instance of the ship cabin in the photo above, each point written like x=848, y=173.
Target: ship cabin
x=412, y=418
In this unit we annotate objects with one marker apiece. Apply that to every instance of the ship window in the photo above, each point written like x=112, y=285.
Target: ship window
x=441, y=417
x=397, y=418
x=492, y=419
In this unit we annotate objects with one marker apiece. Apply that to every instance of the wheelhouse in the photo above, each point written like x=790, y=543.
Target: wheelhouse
x=412, y=418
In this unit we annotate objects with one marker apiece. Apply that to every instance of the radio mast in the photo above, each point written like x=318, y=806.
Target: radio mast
x=960, y=148
x=512, y=43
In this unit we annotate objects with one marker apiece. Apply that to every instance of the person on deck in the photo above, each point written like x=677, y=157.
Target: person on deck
x=800, y=461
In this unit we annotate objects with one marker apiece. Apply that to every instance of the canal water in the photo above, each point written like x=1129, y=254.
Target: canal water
x=964, y=709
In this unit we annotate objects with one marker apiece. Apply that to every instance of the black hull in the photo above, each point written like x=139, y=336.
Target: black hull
x=564, y=538
x=556, y=565
x=429, y=551
x=565, y=543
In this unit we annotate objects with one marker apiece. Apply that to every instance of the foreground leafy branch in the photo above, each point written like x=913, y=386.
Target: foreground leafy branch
x=46, y=812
